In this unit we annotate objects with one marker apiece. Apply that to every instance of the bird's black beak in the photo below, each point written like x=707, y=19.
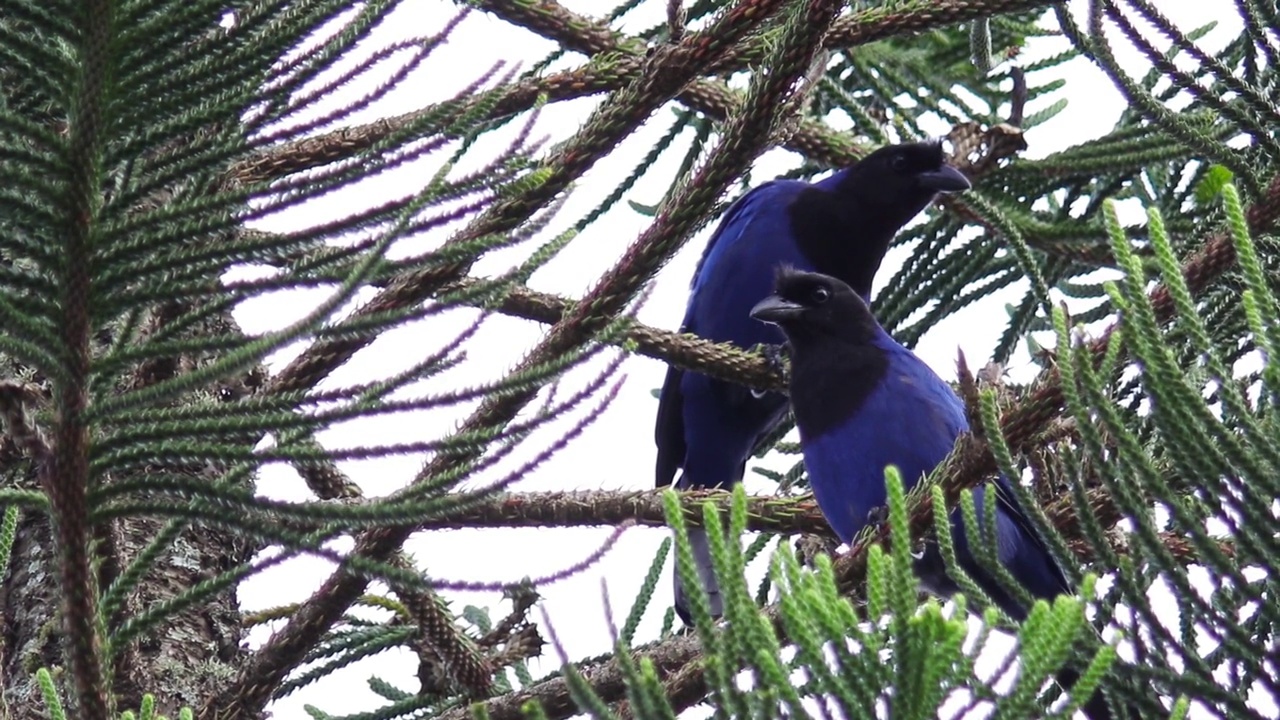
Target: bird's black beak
x=776, y=310
x=944, y=179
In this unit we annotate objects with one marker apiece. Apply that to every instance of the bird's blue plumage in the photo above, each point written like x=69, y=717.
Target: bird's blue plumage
x=727, y=419
x=707, y=427
x=863, y=402
x=842, y=226
x=911, y=420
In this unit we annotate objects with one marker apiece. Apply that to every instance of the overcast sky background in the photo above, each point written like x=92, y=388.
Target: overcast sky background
x=617, y=452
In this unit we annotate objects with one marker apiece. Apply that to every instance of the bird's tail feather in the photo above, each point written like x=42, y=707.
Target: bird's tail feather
x=706, y=571
x=1095, y=708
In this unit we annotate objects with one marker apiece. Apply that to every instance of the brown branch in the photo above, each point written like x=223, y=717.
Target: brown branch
x=67, y=476
x=714, y=99
x=719, y=360
x=669, y=658
x=610, y=508
x=644, y=507
x=440, y=640
x=798, y=515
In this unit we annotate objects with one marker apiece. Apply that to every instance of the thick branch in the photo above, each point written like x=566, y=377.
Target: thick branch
x=600, y=507
x=459, y=659
x=765, y=513
x=668, y=657
x=719, y=360
x=66, y=478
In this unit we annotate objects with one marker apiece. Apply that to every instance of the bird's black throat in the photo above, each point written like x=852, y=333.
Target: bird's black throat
x=842, y=238
x=819, y=404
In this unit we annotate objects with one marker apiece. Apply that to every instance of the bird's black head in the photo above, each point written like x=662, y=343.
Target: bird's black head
x=836, y=361
x=845, y=227
x=845, y=223
x=811, y=305
x=908, y=174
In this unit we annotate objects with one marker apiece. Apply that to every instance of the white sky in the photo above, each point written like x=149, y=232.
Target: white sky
x=617, y=452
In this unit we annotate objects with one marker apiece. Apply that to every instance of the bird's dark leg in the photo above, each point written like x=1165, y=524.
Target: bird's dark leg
x=878, y=515
x=776, y=356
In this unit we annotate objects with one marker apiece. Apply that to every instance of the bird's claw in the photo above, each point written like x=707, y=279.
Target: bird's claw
x=878, y=515
x=776, y=356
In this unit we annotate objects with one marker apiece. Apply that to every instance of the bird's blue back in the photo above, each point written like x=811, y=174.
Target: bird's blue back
x=707, y=426
x=738, y=266
x=911, y=419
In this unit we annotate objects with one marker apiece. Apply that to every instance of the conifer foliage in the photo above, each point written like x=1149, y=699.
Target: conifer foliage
x=147, y=145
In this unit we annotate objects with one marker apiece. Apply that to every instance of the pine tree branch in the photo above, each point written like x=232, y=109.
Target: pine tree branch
x=644, y=507
x=798, y=515
x=564, y=27
x=459, y=658
x=665, y=73
x=719, y=360
x=690, y=352
x=66, y=478
x=714, y=99
x=590, y=508
x=671, y=659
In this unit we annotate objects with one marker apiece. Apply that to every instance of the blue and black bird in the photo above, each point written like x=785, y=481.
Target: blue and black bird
x=841, y=226
x=863, y=402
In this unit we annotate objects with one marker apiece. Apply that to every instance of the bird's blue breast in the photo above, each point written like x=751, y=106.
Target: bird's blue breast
x=910, y=419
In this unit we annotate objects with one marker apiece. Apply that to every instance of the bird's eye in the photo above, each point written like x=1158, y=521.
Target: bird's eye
x=898, y=163
x=819, y=295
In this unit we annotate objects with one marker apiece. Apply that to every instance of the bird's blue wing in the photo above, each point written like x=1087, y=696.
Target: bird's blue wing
x=668, y=429
x=735, y=221
x=735, y=271
x=1021, y=548
x=707, y=427
x=1018, y=546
